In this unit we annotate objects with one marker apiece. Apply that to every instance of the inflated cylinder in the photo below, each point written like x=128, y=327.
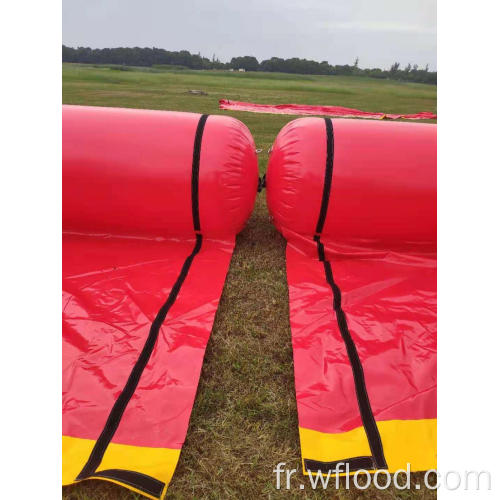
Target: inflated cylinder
x=129, y=171
x=383, y=184
x=152, y=202
x=356, y=201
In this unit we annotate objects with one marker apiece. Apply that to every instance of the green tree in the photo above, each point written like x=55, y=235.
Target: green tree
x=248, y=63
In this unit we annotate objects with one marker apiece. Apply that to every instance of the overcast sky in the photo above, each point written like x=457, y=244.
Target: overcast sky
x=379, y=32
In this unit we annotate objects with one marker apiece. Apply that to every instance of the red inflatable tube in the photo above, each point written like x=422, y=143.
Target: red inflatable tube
x=356, y=201
x=152, y=202
x=129, y=172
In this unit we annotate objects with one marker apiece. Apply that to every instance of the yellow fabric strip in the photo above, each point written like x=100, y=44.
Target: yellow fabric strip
x=404, y=441
x=131, y=488
x=159, y=463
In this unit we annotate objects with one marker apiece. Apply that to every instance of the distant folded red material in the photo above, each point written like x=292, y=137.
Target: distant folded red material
x=304, y=109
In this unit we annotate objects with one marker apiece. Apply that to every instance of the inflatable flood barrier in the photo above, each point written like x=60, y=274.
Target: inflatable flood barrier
x=356, y=201
x=152, y=202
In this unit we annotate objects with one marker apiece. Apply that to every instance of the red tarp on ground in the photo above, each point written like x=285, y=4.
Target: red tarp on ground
x=356, y=201
x=304, y=109
x=152, y=202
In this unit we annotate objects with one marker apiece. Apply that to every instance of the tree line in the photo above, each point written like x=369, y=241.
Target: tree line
x=138, y=56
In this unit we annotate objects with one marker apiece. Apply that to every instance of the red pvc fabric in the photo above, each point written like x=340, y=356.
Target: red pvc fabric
x=152, y=202
x=305, y=109
x=356, y=201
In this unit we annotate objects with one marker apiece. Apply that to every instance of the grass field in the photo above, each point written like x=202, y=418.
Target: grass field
x=244, y=419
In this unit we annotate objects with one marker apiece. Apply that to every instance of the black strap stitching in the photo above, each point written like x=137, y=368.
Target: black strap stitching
x=355, y=463
x=261, y=183
x=327, y=184
x=137, y=480
x=123, y=399
x=365, y=409
x=196, y=171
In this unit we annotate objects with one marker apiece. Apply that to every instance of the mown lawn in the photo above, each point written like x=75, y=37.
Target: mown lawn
x=244, y=419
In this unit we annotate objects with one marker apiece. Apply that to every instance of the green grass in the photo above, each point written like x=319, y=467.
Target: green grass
x=244, y=419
